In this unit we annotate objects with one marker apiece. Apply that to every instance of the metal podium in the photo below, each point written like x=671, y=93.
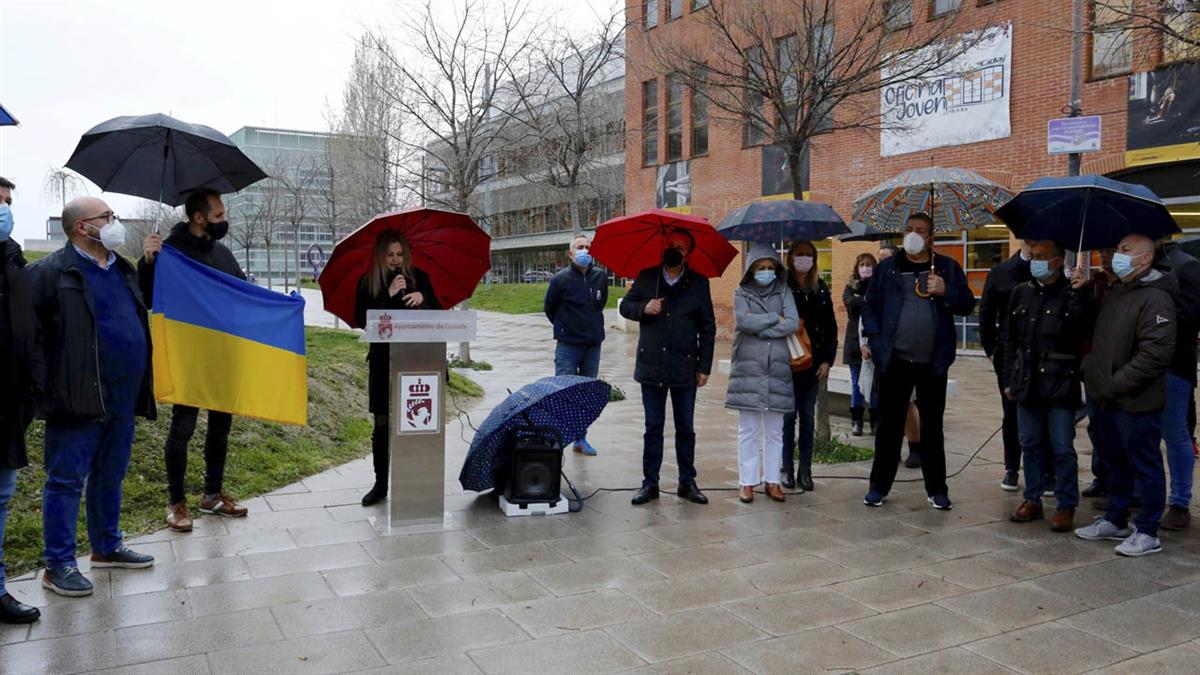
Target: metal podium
x=417, y=439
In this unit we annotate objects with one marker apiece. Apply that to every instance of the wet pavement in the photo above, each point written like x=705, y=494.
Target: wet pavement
x=313, y=582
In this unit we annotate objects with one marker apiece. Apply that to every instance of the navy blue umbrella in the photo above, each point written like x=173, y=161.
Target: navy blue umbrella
x=781, y=220
x=864, y=232
x=6, y=118
x=159, y=157
x=1084, y=213
x=566, y=403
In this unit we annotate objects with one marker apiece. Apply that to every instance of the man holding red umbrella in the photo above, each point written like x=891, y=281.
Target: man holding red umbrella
x=675, y=353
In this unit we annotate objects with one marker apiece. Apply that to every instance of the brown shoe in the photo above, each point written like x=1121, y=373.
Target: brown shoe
x=1063, y=520
x=1177, y=518
x=1027, y=512
x=178, y=518
x=746, y=494
x=222, y=505
x=775, y=492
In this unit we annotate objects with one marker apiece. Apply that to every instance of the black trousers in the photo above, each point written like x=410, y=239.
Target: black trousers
x=1012, y=443
x=379, y=447
x=216, y=447
x=896, y=386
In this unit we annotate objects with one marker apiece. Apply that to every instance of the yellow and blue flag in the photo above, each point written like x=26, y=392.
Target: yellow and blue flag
x=221, y=343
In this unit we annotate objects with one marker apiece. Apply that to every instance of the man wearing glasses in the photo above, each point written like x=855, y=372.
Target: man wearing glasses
x=96, y=341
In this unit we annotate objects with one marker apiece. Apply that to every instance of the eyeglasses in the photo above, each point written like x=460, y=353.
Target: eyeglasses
x=108, y=217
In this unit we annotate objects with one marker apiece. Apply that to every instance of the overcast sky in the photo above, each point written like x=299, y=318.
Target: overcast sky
x=65, y=66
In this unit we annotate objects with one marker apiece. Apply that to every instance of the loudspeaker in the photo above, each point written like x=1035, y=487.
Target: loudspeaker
x=536, y=466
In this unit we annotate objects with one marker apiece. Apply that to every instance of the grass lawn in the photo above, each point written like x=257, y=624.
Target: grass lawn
x=834, y=451
x=30, y=256
x=263, y=456
x=523, y=298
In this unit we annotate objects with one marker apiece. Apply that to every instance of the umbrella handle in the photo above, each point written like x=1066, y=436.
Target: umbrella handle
x=925, y=295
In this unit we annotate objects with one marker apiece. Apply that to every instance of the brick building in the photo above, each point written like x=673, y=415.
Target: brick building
x=719, y=172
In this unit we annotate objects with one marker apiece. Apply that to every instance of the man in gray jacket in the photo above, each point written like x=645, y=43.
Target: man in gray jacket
x=1126, y=376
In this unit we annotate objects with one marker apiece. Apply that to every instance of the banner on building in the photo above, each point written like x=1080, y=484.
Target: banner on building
x=966, y=101
x=1163, y=121
x=673, y=186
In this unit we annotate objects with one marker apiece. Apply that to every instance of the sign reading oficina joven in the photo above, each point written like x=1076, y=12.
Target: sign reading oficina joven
x=966, y=101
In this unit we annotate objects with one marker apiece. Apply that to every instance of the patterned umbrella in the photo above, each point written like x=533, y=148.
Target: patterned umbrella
x=781, y=220
x=567, y=403
x=957, y=199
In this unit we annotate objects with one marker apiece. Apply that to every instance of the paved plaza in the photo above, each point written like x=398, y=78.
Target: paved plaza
x=312, y=582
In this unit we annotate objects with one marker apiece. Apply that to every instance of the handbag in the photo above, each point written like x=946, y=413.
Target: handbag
x=800, y=350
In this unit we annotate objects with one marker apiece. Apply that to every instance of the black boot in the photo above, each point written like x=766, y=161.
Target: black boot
x=804, y=478
x=874, y=421
x=787, y=477
x=377, y=494
x=914, y=455
x=856, y=421
x=14, y=611
x=379, y=458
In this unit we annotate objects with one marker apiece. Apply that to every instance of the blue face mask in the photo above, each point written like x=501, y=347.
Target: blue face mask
x=1122, y=265
x=6, y=222
x=1040, y=269
x=764, y=277
x=583, y=257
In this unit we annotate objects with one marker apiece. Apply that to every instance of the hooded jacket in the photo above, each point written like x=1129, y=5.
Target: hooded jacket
x=23, y=366
x=760, y=377
x=204, y=250
x=1133, y=344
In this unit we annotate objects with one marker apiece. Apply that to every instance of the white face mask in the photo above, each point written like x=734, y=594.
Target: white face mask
x=865, y=271
x=803, y=263
x=112, y=235
x=914, y=243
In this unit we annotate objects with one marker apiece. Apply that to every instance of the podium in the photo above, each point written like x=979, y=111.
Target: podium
x=417, y=383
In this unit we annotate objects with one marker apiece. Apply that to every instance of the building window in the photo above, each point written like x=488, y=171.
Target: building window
x=1112, y=38
x=699, y=116
x=1181, y=40
x=699, y=4
x=674, y=9
x=942, y=7
x=674, y=117
x=789, y=78
x=650, y=122
x=899, y=14
x=752, y=132
x=650, y=13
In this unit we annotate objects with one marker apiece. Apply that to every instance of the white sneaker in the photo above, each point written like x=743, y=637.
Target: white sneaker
x=1139, y=544
x=1103, y=529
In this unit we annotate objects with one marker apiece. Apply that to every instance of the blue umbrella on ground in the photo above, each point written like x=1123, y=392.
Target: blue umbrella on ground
x=1084, y=213
x=6, y=118
x=566, y=403
x=781, y=220
x=162, y=158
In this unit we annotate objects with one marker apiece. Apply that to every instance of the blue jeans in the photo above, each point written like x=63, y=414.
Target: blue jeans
x=8, y=485
x=1093, y=431
x=96, y=453
x=683, y=411
x=1131, y=457
x=805, y=391
x=572, y=359
x=1049, y=428
x=1180, y=459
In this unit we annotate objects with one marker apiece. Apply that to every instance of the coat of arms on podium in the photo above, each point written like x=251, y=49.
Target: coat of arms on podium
x=420, y=400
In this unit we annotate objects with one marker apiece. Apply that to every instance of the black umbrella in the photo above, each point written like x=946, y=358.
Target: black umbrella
x=159, y=157
x=864, y=232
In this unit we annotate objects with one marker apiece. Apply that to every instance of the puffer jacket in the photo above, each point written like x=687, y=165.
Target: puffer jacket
x=760, y=377
x=1133, y=344
x=1047, y=329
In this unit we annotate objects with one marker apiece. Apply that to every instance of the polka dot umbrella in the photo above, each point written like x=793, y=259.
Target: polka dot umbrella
x=566, y=403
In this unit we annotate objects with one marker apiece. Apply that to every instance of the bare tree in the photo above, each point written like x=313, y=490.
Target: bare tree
x=150, y=217
x=1170, y=25
x=561, y=112
x=295, y=182
x=257, y=224
x=61, y=185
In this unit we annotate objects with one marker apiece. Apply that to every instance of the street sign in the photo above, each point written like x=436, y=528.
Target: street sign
x=1073, y=134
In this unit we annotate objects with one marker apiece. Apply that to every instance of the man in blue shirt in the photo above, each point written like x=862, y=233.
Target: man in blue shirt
x=96, y=343
x=575, y=305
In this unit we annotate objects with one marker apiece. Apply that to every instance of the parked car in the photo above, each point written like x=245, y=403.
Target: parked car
x=536, y=276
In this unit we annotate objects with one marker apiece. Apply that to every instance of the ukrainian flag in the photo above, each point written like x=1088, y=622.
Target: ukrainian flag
x=221, y=343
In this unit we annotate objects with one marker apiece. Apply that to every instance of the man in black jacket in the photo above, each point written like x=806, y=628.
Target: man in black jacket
x=95, y=336
x=675, y=354
x=199, y=239
x=19, y=360
x=993, y=333
x=1126, y=375
x=575, y=303
x=1181, y=381
x=1048, y=325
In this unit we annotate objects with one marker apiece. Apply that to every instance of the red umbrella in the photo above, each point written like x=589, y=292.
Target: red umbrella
x=446, y=245
x=629, y=244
